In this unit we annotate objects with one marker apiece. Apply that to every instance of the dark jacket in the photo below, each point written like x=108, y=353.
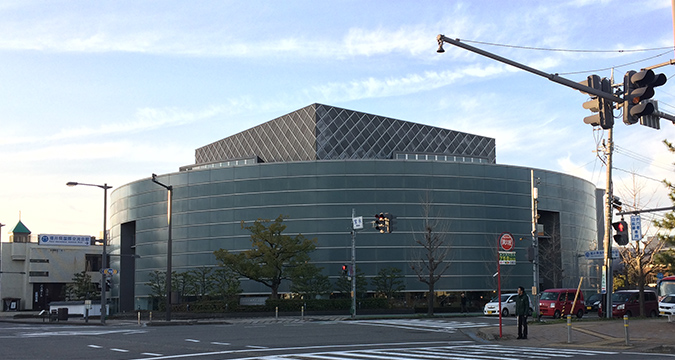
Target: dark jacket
x=522, y=304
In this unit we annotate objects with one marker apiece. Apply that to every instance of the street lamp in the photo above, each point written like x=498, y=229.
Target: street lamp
x=169, y=190
x=104, y=256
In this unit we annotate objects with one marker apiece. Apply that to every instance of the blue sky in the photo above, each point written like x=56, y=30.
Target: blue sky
x=113, y=91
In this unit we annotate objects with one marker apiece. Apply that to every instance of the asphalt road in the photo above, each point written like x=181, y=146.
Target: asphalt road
x=269, y=339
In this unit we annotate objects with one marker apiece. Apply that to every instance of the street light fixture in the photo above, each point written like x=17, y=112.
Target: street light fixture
x=169, y=254
x=104, y=255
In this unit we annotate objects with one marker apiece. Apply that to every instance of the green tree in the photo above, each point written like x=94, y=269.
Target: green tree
x=182, y=283
x=388, y=282
x=157, y=284
x=271, y=256
x=344, y=284
x=202, y=281
x=82, y=287
x=225, y=284
x=308, y=282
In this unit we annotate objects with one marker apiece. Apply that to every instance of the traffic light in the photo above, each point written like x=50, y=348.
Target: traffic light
x=389, y=222
x=616, y=203
x=603, y=107
x=621, y=232
x=637, y=88
x=380, y=223
x=345, y=270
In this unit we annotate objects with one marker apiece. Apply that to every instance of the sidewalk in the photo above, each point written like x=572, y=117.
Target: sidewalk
x=655, y=335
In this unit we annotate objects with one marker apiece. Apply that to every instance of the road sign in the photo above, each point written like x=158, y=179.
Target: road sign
x=108, y=271
x=506, y=241
x=600, y=254
x=507, y=258
x=357, y=223
x=636, y=227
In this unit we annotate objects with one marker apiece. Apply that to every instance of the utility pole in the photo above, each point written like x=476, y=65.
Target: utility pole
x=607, y=241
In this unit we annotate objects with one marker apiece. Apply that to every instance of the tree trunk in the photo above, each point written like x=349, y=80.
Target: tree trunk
x=430, y=300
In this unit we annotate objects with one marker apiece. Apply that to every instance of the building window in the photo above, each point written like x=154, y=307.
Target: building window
x=39, y=260
x=93, y=262
x=38, y=273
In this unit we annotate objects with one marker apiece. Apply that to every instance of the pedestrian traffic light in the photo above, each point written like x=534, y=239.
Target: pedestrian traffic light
x=380, y=222
x=603, y=107
x=639, y=87
x=621, y=232
x=345, y=270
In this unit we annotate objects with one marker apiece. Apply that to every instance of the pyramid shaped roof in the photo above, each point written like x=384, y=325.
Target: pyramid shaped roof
x=20, y=228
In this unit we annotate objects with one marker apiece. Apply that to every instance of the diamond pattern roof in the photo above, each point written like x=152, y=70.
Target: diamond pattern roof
x=322, y=132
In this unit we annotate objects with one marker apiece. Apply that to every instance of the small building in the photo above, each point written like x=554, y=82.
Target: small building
x=34, y=270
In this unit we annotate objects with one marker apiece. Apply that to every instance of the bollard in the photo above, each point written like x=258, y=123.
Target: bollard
x=150, y=316
x=276, y=313
x=139, y=318
x=569, y=329
x=625, y=326
x=302, y=313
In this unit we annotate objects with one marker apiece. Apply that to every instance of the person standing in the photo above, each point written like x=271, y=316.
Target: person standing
x=463, y=303
x=522, y=309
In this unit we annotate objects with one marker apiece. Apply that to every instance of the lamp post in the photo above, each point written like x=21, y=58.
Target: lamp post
x=104, y=254
x=169, y=254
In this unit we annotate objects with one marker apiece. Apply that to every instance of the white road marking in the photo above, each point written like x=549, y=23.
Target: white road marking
x=219, y=343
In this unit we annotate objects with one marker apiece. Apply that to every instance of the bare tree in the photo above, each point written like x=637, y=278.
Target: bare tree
x=550, y=254
x=490, y=263
x=639, y=257
x=428, y=260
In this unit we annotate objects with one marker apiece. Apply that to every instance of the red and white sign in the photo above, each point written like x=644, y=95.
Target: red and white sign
x=506, y=241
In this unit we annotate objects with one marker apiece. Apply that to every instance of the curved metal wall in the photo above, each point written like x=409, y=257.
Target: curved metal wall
x=475, y=202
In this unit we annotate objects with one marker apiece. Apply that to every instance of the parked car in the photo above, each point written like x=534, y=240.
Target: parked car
x=667, y=305
x=627, y=302
x=558, y=302
x=593, y=302
x=508, y=305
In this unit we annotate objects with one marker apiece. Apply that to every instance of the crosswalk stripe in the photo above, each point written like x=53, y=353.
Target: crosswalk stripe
x=461, y=352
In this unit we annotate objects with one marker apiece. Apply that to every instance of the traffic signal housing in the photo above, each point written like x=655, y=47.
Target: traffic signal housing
x=389, y=222
x=603, y=107
x=620, y=232
x=345, y=270
x=639, y=87
x=380, y=223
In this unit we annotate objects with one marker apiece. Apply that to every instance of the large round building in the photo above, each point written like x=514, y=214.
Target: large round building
x=320, y=165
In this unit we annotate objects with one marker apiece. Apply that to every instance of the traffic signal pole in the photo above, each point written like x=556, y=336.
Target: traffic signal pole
x=607, y=241
x=553, y=77
x=353, y=270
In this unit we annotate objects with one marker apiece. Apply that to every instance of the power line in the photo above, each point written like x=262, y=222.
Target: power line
x=669, y=48
x=642, y=158
x=617, y=66
x=642, y=176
